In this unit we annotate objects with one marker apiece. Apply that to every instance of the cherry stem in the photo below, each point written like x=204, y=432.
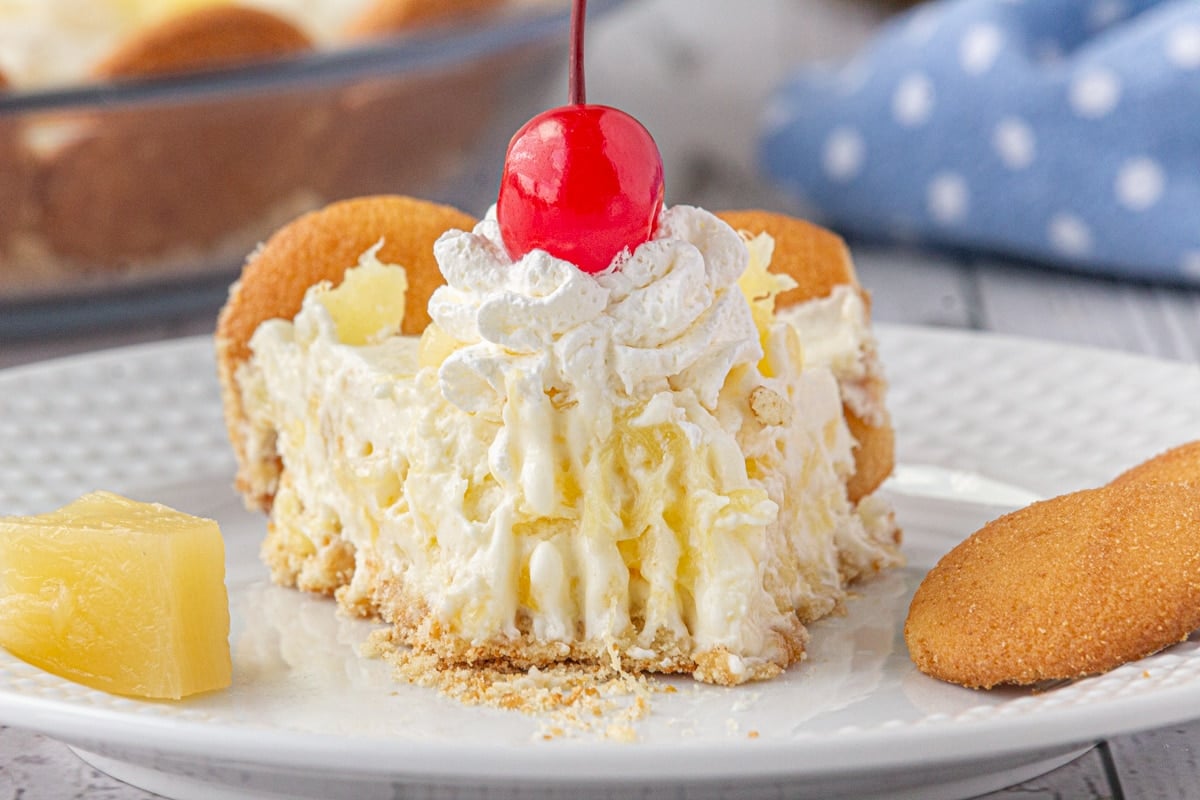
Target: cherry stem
x=576, y=90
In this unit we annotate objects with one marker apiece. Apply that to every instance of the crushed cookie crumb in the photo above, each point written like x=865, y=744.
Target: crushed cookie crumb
x=572, y=699
x=769, y=407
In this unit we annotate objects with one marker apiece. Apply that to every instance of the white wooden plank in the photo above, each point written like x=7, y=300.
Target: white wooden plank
x=915, y=287
x=1181, y=320
x=32, y=766
x=1163, y=764
x=1157, y=321
x=1083, y=779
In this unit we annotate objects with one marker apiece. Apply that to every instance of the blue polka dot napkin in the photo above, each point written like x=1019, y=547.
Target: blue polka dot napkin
x=1066, y=131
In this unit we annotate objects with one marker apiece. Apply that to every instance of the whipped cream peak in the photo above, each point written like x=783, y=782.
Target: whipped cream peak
x=666, y=316
x=724, y=249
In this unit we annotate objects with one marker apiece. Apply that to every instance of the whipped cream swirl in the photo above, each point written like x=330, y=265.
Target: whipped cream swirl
x=666, y=317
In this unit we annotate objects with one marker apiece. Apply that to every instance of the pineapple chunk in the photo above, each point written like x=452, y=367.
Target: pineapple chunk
x=368, y=305
x=761, y=287
x=118, y=595
x=435, y=346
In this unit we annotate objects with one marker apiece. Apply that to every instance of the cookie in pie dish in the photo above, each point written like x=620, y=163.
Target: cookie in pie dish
x=169, y=137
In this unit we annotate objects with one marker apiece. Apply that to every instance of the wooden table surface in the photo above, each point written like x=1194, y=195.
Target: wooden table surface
x=706, y=138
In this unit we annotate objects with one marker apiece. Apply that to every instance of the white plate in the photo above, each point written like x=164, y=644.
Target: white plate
x=984, y=424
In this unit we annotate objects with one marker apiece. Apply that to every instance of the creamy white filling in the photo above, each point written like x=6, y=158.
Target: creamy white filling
x=465, y=525
x=836, y=333
x=570, y=465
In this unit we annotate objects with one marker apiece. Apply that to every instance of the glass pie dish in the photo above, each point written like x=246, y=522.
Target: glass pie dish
x=144, y=196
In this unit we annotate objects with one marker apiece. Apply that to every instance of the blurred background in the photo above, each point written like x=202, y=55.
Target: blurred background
x=138, y=167
x=699, y=74
x=145, y=149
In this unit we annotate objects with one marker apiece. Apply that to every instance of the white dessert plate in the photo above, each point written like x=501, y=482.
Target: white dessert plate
x=984, y=424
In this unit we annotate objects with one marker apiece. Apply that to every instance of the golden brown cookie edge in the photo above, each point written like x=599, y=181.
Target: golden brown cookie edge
x=321, y=246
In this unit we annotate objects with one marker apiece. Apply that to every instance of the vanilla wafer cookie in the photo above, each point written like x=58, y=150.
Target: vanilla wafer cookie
x=1067, y=587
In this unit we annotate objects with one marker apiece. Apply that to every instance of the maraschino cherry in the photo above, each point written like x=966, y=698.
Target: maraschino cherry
x=582, y=182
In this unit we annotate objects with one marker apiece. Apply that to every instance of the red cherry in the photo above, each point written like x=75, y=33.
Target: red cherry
x=583, y=183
